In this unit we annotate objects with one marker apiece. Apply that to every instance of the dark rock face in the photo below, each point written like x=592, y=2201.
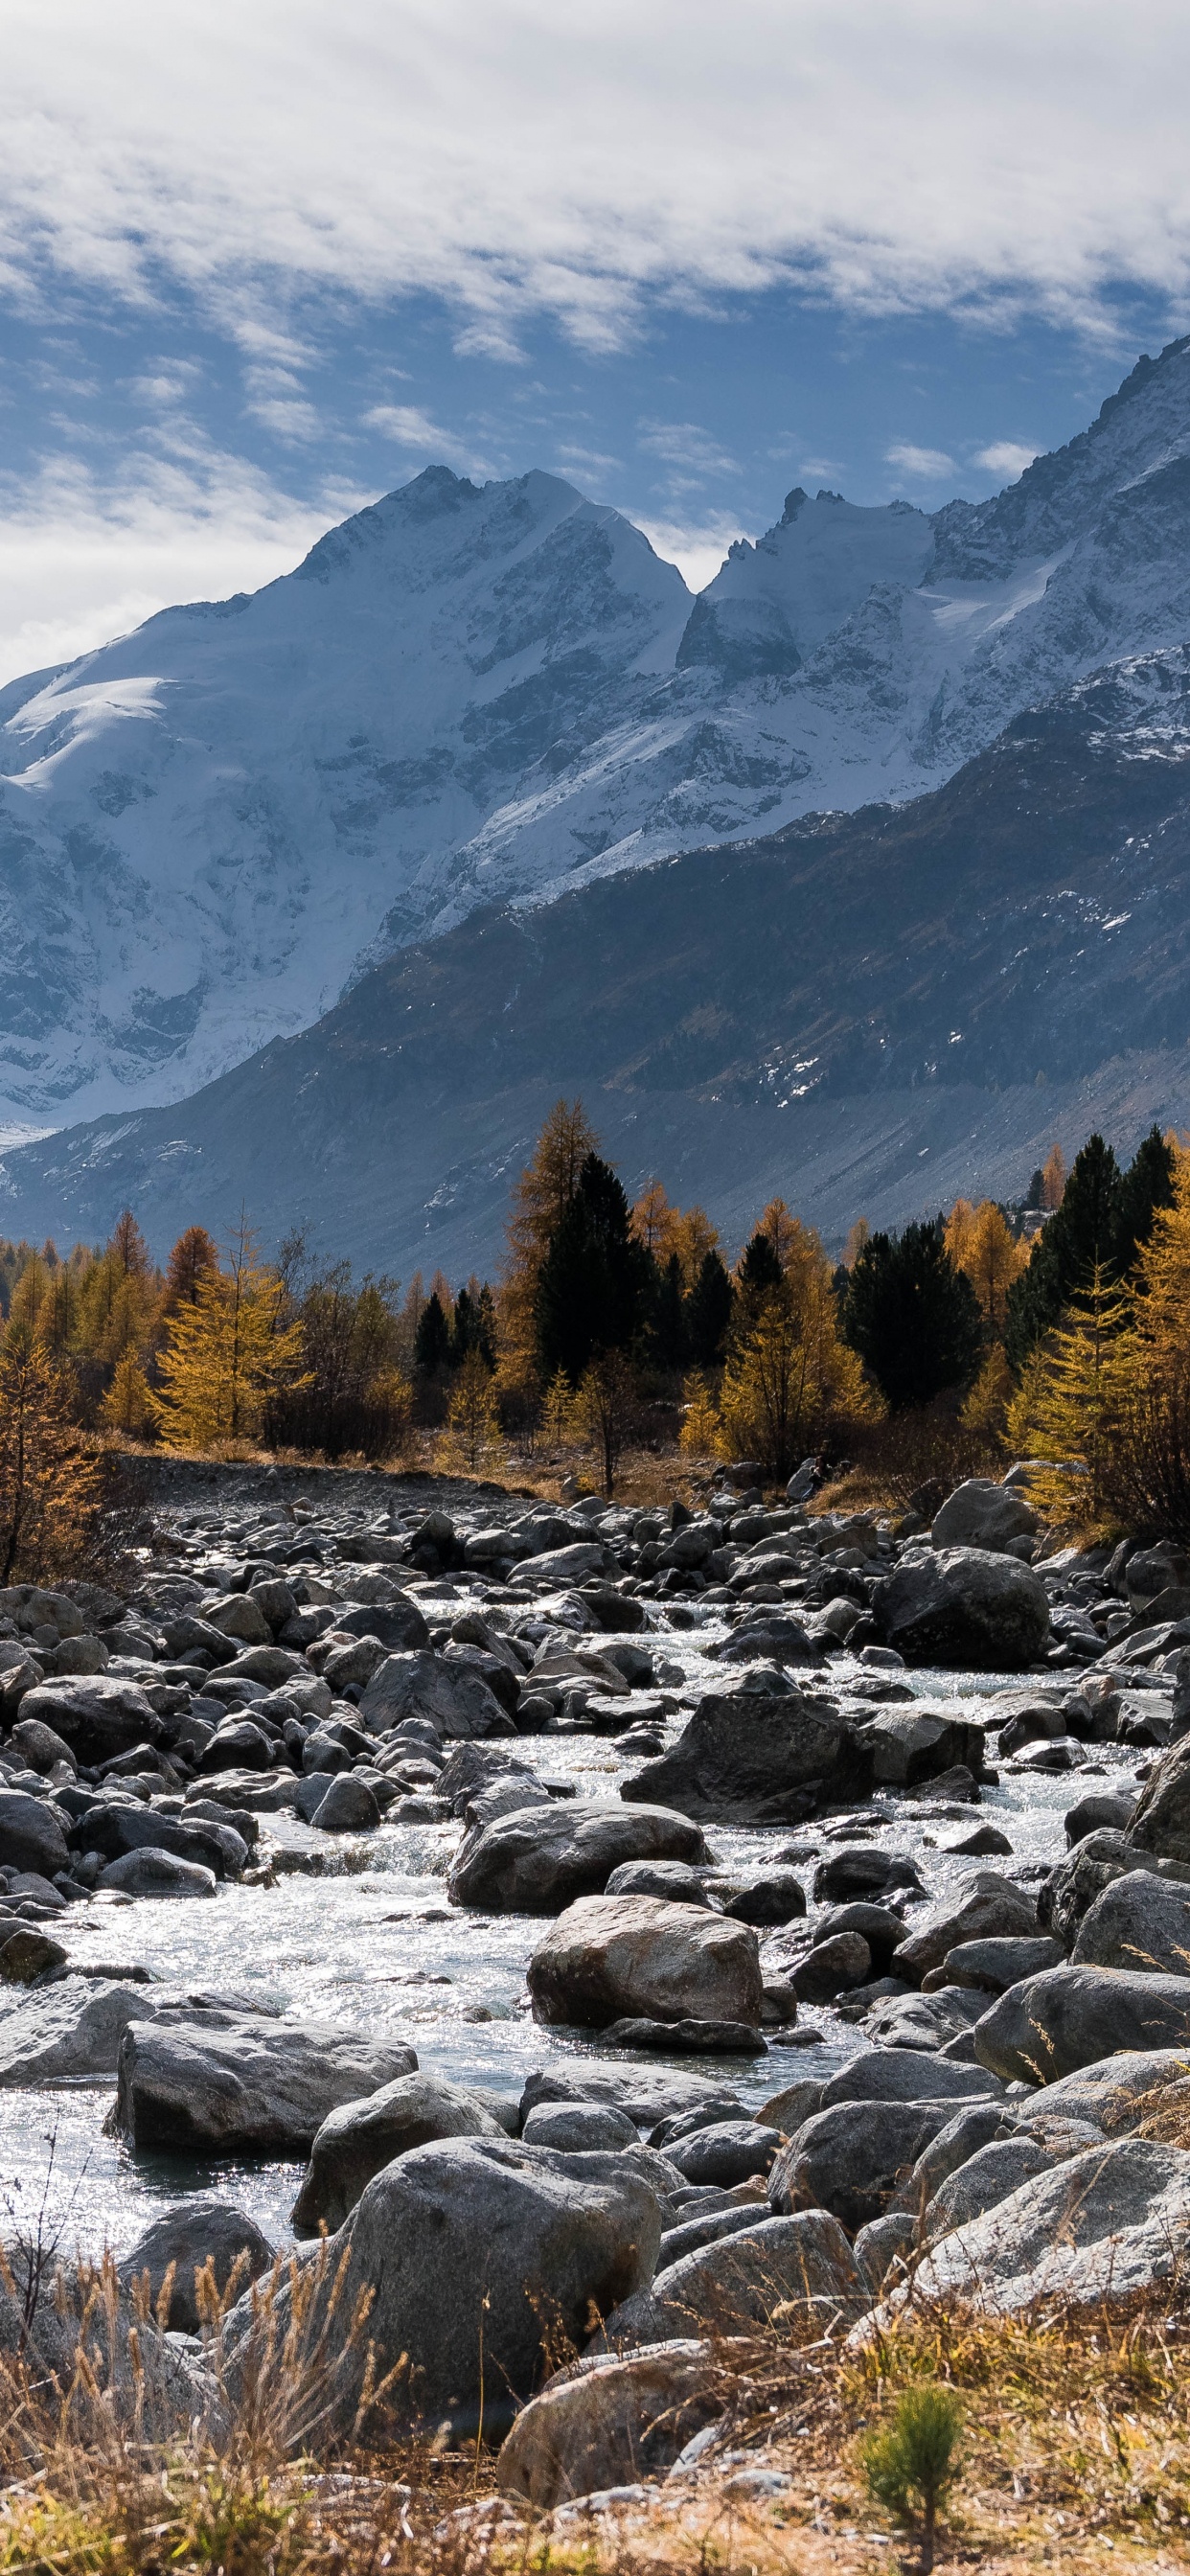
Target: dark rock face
x=538, y=1859
x=1161, y=1823
x=747, y=1758
x=30, y=1835
x=94, y=1716
x=963, y=1606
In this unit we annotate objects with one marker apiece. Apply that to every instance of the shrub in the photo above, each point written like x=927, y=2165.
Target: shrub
x=909, y=2467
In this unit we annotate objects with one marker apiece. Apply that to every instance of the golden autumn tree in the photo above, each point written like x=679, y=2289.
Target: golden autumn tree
x=50, y=1485
x=1072, y=1404
x=790, y=1375
x=982, y=1245
x=226, y=1351
x=540, y=1200
x=473, y=1442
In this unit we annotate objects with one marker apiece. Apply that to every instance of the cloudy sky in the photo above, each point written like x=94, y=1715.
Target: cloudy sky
x=260, y=262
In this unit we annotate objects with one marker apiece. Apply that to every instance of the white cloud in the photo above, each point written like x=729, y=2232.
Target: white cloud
x=697, y=547
x=924, y=464
x=519, y=158
x=682, y=444
x=1006, y=457
x=413, y=429
x=80, y=563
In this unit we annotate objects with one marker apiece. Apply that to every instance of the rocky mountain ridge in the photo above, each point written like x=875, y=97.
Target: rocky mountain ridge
x=209, y=829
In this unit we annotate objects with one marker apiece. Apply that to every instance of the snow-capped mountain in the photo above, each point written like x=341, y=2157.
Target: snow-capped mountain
x=209, y=829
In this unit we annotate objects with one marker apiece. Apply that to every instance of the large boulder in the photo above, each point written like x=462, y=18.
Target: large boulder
x=610, y=2421
x=981, y=1514
x=397, y=1623
x=200, y=2232
x=1118, y=2093
x=743, y=2280
x=31, y=1835
x=988, y=1907
x=637, y=1957
x=1069, y=2017
x=95, y=1716
x=758, y=1758
x=899, y=2075
x=360, y=2137
x=72, y=2031
x=1140, y=1921
x=911, y=1745
x=852, y=2157
x=963, y=1606
x=454, y=1696
x=1161, y=1821
x=263, y=2088
x=989, y=2176
x=649, y=2095
x=150, y=1872
x=1111, y=2221
x=540, y=1858
x=115, y=1827
x=479, y=2254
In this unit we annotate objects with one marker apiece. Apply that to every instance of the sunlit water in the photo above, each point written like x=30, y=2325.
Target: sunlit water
x=379, y=1948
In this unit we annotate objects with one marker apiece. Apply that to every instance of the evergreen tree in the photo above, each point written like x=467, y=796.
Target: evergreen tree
x=1146, y=1187
x=1080, y=1237
x=668, y=1333
x=1072, y=1404
x=758, y=1270
x=595, y=1286
x=708, y=1313
x=431, y=1342
x=913, y=1318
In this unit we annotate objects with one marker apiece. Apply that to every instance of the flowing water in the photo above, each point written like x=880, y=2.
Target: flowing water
x=373, y=1943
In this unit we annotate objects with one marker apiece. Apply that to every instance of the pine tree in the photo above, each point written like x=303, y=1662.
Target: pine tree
x=708, y=1313
x=981, y=1244
x=540, y=1201
x=595, y=1286
x=474, y=1424
x=604, y=1409
x=1146, y=1188
x=1079, y=1238
x=128, y=1403
x=913, y=1318
x=699, y=1435
x=668, y=1329
x=431, y=1345
x=790, y=1376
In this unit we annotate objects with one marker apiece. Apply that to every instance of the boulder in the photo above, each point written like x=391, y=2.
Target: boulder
x=689, y=2038
x=579, y=2128
x=1109, y=2222
x=878, y=1925
x=95, y=1716
x=987, y=1907
x=201, y=2231
x=757, y=2273
x=1072, y=1887
x=831, y=1967
x=396, y=1623
x=977, y=2125
x=894, y=2075
x=912, y=1745
x=1161, y=1822
x=610, y=2421
x=777, y=1897
x=981, y=1514
x=638, y=1957
x=1070, y=2017
x=725, y=2153
x=993, y=1965
x=1139, y=1921
x=965, y=1607
x=1102, y=1811
x=881, y=2244
x=1118, y=2092
x=757, y=1758
x=479, y=2253
x=348, y=1807
x=39, y=1746
x=31, y=1835
x=258, y=2087
x=362, y=2136
x=851, y=2158
x=115, y=1828
x=987, y=2178
x=862, y=1869
x=650, y=2095
x=672, y=1879
x=422, y=1684
x=72, y=2031
x=539, y=1859
x=151, y=1872
x=26, y=1955
x=559, y=1567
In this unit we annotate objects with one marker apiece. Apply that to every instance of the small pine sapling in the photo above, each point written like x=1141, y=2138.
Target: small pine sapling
x=909, y=2466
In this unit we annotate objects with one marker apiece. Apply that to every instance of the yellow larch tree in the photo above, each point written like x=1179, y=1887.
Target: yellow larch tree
x=539, y=1202
x=226, y=1352
x=981, y=1243
x=1072, y=1404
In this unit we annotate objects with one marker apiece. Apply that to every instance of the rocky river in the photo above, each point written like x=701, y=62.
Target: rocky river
x=377, y=1820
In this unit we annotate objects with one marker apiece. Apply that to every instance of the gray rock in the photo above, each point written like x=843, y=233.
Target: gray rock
x=114, y=1829
x=477, y=2251
x=1140, y=1922
x=562, y=1566
x=150, y=1872
x=425, y=1685
x=798, y=2262
x=728, y=2152
x=348, y=1807
x=1073, y=1885
x=786, y=2110
x=579, y=2128
x=831, y=1967
x=941, y=2019
x=396, y=1623
x=860, y=1870
x=1161, y=1823
x=72, y=2031
x=95, y=1716
x=608, y=2422
x=649, y=2094
x=1112, y=1811
x=758, y=1758
x=987, y=2178
x=979, y=2125
x=690, y=2235
x=1070, y=2017
x=881, y=2244
x=777, y=1897
x=879, y=1925
x=40, y=1746
x=200, y=2231
x=673, y=1879
x=963, y=1606
x=896, y=2075
x=361, y=2136
x=981, y=1514
x=911, y=1745
x=1116, y=2093
x=991, y=1966
x=852, y=2158
x=1109, y=2222
x=31, y=1836
x=687, y=2038
x=988, y=1907
x=26, y=1955
x=259, y=2087
x=541, y=1858
x=626, y=1957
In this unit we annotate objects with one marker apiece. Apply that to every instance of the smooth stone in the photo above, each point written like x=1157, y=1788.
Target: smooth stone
x=851, y=2157
x=155, y=1873
x=1070, y=2017
x=260, y=2087
x=360, y=2137
x=201, y=2231
x=611, y=1958
x=802, y=2262
x=606, y=2421
x=541, y=1859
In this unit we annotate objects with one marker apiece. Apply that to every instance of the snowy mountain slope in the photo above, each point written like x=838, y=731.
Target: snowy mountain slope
x=210, y=828
x=865, y=1013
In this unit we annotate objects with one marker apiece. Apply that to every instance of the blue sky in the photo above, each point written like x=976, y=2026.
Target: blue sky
x=259, y=264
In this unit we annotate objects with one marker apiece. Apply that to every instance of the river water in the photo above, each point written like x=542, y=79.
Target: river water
x=373, y=1943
